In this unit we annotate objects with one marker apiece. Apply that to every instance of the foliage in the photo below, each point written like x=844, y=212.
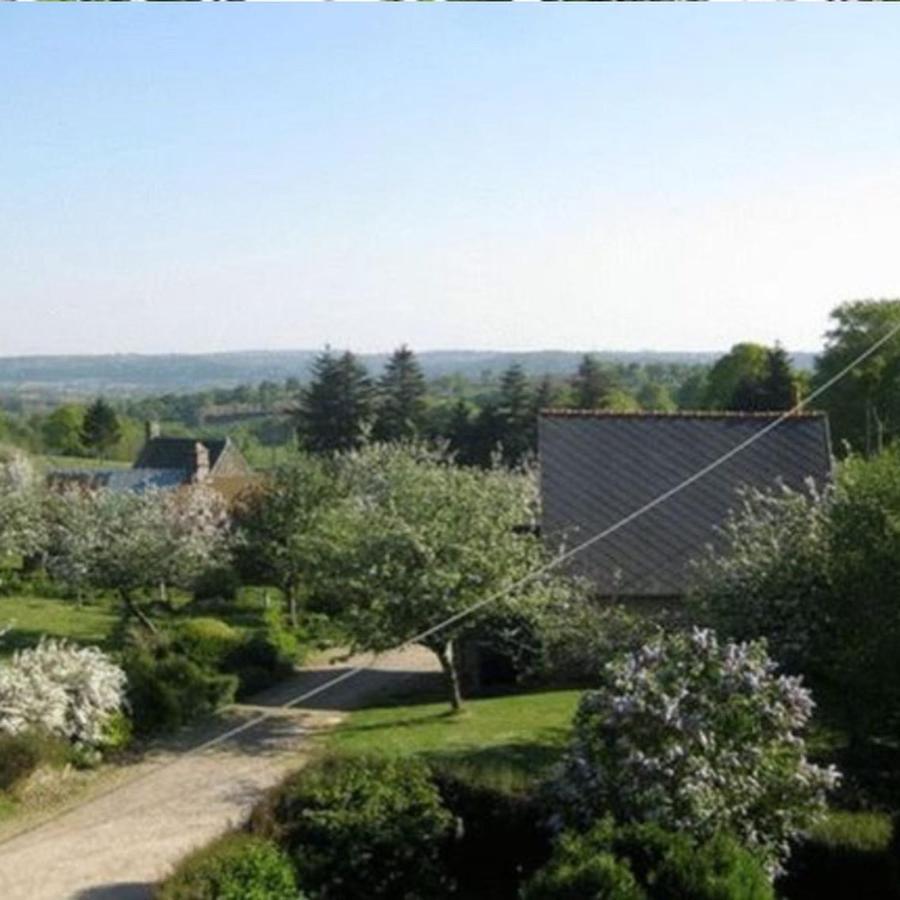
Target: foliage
x=207, y=641
x=61, y=430
x=593, y=384
x=819, y=577
x=100, y=429
x=578, y=634
x=281, y=525
x=419, y=540
x=24, y=752
x=336, y=407
x=22, y=526
x=645, y=861
x=235, y=867
x=865, y=404
x=697, y=736
x=501, y=831
x=400, y=407
x=167, y=690
x=361, y=828
x=769, y=575
x=743, y=365
x=127, y=541
x=65, y=690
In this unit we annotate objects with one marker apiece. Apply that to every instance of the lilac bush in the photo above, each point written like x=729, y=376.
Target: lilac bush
x=69, y=691
x=700, y=736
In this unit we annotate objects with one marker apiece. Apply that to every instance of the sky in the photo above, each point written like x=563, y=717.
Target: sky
x=208, y=177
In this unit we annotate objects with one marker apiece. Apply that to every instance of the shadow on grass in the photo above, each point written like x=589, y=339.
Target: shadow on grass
x=26, y=638
x=511, y=766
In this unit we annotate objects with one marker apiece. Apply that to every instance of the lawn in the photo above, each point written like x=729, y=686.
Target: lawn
x=513, y=738
x=84, y=462
x=33, y=617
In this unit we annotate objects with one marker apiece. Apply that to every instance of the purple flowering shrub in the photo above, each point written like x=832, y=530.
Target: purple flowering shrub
x=698, y=736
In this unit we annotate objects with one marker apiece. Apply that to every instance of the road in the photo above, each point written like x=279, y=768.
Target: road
x=117, y=845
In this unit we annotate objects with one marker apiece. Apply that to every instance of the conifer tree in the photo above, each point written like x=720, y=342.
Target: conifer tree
x=100, y=428
x=592, y=384
x=335, y=409
x=401, y=398
x=515, y=412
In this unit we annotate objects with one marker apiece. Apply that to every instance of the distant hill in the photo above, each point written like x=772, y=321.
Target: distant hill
x=152, y=374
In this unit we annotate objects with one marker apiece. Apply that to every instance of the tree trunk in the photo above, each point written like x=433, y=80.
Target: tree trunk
x=138, y=613
x=292, y=606
x=445, y=655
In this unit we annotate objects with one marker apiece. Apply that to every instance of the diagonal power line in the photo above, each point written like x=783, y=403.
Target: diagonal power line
x=517, y=585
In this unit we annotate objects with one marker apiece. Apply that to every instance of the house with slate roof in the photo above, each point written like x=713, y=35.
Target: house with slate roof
x=167, y=463
x=597, y=467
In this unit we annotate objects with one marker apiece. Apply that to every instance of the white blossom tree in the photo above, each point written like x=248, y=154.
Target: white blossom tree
x=134, y=542
x=22, y=523
x=697, y=736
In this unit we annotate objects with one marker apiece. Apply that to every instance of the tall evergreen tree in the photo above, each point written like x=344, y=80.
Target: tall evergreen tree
x=336, y=408
x=780, y=379
x=401, y=398
x=100, y=428
x=515, y=411
x=592, y=384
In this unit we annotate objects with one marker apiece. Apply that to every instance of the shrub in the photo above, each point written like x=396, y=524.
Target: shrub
x=206, y=641
x=501, y=833
x=645, y=861
x=22, y=753
x=67, y=690
x=697, y=736
x=169, y=691
x=236, y=867
x=361, y=828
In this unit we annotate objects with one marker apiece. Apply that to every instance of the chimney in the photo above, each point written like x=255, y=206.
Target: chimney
x=151, y=430
x=201, y=462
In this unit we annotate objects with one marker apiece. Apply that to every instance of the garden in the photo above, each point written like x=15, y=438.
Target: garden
x=746, y=750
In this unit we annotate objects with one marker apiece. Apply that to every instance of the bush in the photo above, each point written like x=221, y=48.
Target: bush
x=57, y=687
x=645, y=861
x=697, y=736
x=206, y=641
x=168, y=691
x=236, y=867
x=361, y=828
x=23, y=753
x=501, y=833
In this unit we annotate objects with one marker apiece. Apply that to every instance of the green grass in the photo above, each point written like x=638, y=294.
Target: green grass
x=865, y=831
x=511, y=739
x=33, y=617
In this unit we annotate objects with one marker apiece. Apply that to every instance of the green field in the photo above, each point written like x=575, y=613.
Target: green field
x=513, y=738
x=83, y=462
x=32, y=617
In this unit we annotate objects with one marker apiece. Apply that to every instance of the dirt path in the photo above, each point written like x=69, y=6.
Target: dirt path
x=119, y=844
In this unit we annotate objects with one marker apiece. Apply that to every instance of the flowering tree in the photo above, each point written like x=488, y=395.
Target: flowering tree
x=770, y=576
x=22, y=531
x=417, y=540
x=129, y=542
x=697, y=736
x=66, y=690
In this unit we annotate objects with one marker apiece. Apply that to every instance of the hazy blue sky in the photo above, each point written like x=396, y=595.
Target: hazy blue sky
x=209, y=177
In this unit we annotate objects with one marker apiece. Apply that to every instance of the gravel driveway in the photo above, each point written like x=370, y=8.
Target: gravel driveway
x=120, y=843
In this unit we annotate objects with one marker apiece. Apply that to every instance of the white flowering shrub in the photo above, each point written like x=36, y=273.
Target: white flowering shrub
x=69, y=691
x=770, y=574
x=697, y=736
x=22, y=526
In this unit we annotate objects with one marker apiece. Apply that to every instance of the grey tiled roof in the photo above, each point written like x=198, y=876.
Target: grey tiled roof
x=177, y=453
x=596, y=468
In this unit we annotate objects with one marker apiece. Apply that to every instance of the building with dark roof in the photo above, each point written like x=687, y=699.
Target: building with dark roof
x=167, y=463
x=598, y=467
